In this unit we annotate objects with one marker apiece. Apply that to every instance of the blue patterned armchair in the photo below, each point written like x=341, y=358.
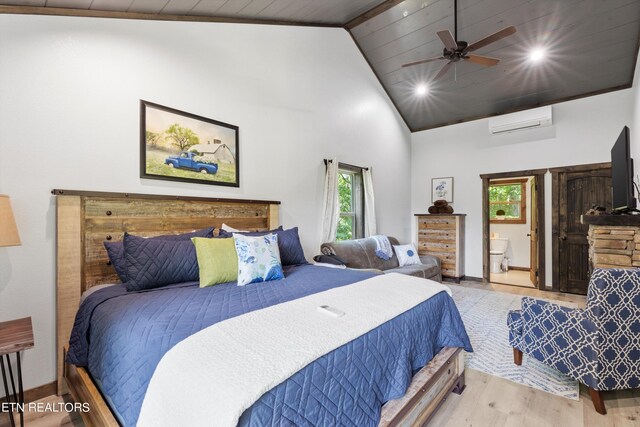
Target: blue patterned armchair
x=598, y=346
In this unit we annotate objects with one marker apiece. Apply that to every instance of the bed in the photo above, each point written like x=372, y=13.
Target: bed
x=112, y=374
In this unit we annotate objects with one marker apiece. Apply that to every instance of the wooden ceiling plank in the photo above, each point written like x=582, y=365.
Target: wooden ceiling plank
x=111, y=5
x=293, y=8
x=390, y=17
x=372, y=13
x=256, y=7
x=78, y=4
x=179, y=7
x=437, y=15
x=232, y=7
x=363, y=7
x=207, y=7
x=34, y=3
x=147, y=6
x=275, y=8
x=341, y=11
x=90, y=13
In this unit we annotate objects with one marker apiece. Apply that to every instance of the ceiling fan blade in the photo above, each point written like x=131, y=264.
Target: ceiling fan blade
x=448, y=40
x=424, y=61
x=505, y=32
x=443, y=71
x=487, y=61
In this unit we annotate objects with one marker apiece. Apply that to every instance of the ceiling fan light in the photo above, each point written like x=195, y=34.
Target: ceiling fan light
x=537, y=54
x=422, y=90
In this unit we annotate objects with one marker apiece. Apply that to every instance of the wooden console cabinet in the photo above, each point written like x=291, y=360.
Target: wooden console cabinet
x=442, y=236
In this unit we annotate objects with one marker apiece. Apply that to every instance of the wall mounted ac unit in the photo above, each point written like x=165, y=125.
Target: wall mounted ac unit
x=522, y=120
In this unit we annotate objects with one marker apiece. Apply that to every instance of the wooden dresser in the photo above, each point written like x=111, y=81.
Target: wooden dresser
x=442, y=236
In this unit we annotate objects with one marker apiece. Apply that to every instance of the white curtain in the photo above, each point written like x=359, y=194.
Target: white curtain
x=330, y=206
x=370, y=228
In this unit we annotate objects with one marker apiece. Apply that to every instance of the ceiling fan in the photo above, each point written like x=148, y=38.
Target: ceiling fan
x=455, y=51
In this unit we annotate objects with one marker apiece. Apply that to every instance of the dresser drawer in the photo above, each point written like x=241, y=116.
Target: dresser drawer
x=433, y=235
x=442, y=256
x=439, y=247
x=449, y=225
x=445, y=219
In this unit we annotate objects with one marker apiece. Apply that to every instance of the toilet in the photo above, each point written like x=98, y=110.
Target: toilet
x=497, y=246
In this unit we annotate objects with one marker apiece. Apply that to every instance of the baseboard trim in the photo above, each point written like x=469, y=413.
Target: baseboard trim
x=513, y=267
x=473, y=279
x=40, y=392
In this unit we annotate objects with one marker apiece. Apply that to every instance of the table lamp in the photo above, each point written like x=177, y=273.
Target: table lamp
x=8, y=231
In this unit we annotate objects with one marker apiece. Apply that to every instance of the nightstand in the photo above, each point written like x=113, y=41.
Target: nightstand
x=15, y=336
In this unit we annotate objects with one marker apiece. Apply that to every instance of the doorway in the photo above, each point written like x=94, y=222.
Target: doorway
x=513, y=223
x=574, y=190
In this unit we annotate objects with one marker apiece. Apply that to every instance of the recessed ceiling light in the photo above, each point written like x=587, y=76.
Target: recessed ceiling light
x=422, y=90
x=537, y=54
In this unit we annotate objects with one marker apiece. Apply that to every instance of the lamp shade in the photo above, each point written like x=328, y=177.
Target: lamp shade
x=8, y=231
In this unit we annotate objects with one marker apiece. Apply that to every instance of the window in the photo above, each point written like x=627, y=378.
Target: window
x=507, y=201
x=350, y=198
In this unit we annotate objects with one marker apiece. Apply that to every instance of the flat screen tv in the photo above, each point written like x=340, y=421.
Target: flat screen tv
x=622, y=174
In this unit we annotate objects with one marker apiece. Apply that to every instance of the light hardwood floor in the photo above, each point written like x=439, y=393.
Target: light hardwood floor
x=487, y=401
x=513, y=277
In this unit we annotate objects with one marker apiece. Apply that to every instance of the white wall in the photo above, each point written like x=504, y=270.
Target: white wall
x=519, y=248
x=69, y=118
x=584, y=131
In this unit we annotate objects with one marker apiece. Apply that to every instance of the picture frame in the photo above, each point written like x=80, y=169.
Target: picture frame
x=180, y=146
x=442, y=189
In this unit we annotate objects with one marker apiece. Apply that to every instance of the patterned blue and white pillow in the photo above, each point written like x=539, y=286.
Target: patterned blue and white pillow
x=258, y=258
x=407, y=255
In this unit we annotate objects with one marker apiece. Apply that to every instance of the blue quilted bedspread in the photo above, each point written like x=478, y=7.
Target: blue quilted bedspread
x=121, y=336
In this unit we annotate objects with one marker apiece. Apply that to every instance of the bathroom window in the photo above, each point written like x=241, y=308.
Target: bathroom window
x=351, y=200
x=508, y=201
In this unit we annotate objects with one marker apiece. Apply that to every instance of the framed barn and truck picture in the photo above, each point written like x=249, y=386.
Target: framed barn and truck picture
x=180, y=146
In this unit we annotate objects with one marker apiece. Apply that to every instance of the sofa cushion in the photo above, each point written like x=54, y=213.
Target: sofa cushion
x=424, y=271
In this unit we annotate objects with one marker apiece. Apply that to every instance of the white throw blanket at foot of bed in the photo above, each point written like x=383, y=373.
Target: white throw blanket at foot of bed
x=219, y=372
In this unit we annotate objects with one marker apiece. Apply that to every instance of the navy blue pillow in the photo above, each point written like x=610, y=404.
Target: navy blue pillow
x=115, y=250
x=152, y=263
x=291, y=252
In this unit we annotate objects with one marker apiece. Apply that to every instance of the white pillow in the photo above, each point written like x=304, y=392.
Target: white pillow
x=228, y=229
x=407, y=255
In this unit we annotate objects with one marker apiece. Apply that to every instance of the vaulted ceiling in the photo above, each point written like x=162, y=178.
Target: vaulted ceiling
x=590, y=46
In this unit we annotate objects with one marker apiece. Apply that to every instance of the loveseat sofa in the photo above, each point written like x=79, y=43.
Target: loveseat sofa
x=360, y=253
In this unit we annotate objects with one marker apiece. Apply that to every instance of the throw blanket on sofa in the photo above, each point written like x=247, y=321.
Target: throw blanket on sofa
x=383, y=247
x=234, y=362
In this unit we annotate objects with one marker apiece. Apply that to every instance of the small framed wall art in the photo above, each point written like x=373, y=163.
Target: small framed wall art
x=442, y=189
x=180, y=146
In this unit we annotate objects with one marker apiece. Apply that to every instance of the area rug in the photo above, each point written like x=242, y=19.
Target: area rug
x=484, y=314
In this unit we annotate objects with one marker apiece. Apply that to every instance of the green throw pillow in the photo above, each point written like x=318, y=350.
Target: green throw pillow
x=217, y=260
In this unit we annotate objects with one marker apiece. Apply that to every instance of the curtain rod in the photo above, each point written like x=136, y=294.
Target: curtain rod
x=345, y=164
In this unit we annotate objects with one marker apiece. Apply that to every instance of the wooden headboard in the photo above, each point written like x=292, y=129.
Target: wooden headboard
x=87, y=219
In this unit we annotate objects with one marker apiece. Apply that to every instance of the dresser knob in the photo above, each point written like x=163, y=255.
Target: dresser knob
x=108, y=262
x=109, y=237
x=109, y=213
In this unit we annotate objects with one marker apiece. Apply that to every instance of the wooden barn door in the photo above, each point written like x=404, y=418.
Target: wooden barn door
x=575, y=190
